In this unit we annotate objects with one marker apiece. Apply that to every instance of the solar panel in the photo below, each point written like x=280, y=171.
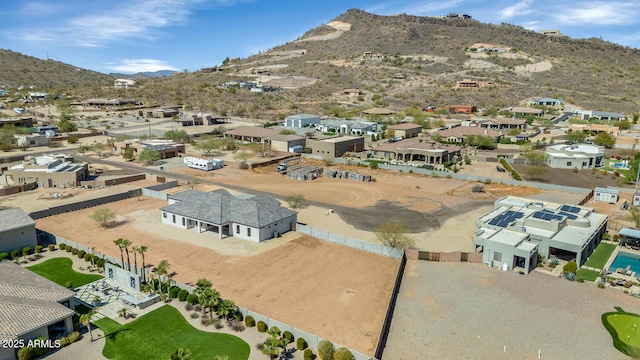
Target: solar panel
x=570, y=216
x=538, y=214
x=571, y=209
x=503, y=220
x=547, y=211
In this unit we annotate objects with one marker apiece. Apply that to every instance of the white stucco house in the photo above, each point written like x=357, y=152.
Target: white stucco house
x=581, y=156
x=257, y=218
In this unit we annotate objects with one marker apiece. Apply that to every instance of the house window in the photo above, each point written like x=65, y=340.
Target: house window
x=110, y=273
x=238, y=229
x=174, y=219
x=584, y=163
x=164, y=215
x=568, y=163
x=248, y=231
x=132, y=282
x=183, y=222
x=497, y=256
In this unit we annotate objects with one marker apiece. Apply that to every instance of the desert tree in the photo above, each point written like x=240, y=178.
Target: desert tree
x=242, y=156
x=604, y=139
x=104, y=217
x=393, y=234
x=180, y=136
x=148, y=156
x=128, y=153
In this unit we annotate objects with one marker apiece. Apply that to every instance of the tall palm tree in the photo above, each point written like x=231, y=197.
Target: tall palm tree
x=93, y=253
x=135, y=257
x=209, y=298
x=85, y=319
x=141, y=250
x=126, y=243
x=118, y=242
x=227, y=308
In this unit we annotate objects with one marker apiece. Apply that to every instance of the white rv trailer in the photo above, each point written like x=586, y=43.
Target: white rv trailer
x=203, y=164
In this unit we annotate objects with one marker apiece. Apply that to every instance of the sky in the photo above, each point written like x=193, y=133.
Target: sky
x=129, y=36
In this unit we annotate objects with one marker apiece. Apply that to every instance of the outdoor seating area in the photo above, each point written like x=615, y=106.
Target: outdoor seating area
x=98, y=293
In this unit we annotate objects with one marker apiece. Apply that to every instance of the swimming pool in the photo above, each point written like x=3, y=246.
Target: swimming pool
x=624, y=259
x=620, y=165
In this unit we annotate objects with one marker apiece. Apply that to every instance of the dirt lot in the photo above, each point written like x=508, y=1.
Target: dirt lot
x=330, y=290
x=470, y=311
x=583, y=178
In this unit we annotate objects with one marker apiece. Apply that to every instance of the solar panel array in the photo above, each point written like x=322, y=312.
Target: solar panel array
x=547, y=216
x=503, y=220
x=570, y=209
x=570, y=216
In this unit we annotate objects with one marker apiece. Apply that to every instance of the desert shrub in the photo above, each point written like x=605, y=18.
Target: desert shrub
x=26, y=353
x=262, y=326
x=287, y=335
x=197, y=307
x=206, y=321
x=87, y=257
x=73, y=337
x=15, y=254
x=81, y=254
x=606, y=236
x=237, y=326
x=188, y=307
x=477, y=189
x=192, y=299
x=571, y=276
x=325, y=350
x=3, y=256
x=62, y=246
x=601, y=285
x=301, y=344
x=164, y=288
x=69, y=285
x=72, y=139
x=308, y=354
x=51, y=247
x=26, y=251
x=182, y=295
x=342, y=354
x=249, y=321
x=570, y=267
x=616, y=237
x=487, y=182
x=195, y=315
x=100, y=263
x=74, y=251
x=275, y=329
x=217, y=323
x=38, y=249
x=68, y=249
x=173, y=292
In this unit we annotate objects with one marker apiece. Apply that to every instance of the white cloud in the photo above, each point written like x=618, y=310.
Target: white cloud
x=139, y=65
x=517, y=9
x=598, y=13
x=531, y=25
x=39, y=8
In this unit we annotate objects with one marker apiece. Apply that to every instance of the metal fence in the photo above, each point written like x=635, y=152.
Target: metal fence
x=84, y=204
x=155, y=191
x=350, y=242
x=391, y=306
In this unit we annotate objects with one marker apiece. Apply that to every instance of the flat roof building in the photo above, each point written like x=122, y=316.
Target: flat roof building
x=406, y=130
x=518, y=229
x=47, y=171
x=337, y=146
x=581, y=156
x=301, y=120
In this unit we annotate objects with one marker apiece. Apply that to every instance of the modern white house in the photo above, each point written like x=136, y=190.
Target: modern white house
x=581, y=156
x=17, y=230
x=355, y=126
x=547, y=102
x=123, y=83
x=608, y=195
x=602, y=115
x=518, y=229
x=301, y=120
x=32, y=307
x=257, y=218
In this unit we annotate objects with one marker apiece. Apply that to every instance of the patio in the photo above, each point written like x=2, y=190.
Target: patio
x=111, y=298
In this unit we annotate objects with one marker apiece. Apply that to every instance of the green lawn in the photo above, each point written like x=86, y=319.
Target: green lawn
x=588, y=275
x=600, y=255
x=159, y=333
x=59, y=271
x=625, y=330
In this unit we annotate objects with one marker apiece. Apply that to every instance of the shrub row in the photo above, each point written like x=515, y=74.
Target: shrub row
x=510, y=169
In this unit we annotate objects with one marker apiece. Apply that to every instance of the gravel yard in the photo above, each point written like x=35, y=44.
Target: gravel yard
x=470, y=311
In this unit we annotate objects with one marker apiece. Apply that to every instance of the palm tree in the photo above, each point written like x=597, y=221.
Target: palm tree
x=123, y=312
x=135, y=257
x=85, y=319
x=202, y=285
x=93, y=253
x=163, y=269
x=210, y=298
x=118, y=242
x=141, y=250
x=126, y=243
x=227, y=308
x=181, y=354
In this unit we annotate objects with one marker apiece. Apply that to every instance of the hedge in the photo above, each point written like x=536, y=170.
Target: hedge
x=182, y=295
x=51, y=247
x=173, y=292
x=308, y=354
x=510, y=169
x=74, y=251
x=100, y=263
x=301, y=344
x=62, y=246
x=3, y=256
x=262, y=326
x=68, y=249
x=249, y=321
x=192, y=299
x=26, y=250
x=38, y=249
x=15, y=254
x=81, y=254
x=87, y=257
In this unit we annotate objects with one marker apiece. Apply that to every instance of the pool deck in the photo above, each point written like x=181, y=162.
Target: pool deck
x=613, y=274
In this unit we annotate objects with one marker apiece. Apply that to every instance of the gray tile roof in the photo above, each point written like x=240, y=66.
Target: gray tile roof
x=29, y=301
x=220, y=207
x=14, y=218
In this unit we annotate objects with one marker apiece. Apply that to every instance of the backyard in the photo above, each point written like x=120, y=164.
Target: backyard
x=158, y=334
x=623, y=328
x=598, y=259
x=59, y=270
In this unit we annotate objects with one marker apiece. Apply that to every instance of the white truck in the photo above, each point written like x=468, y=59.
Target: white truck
x=203, y=164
